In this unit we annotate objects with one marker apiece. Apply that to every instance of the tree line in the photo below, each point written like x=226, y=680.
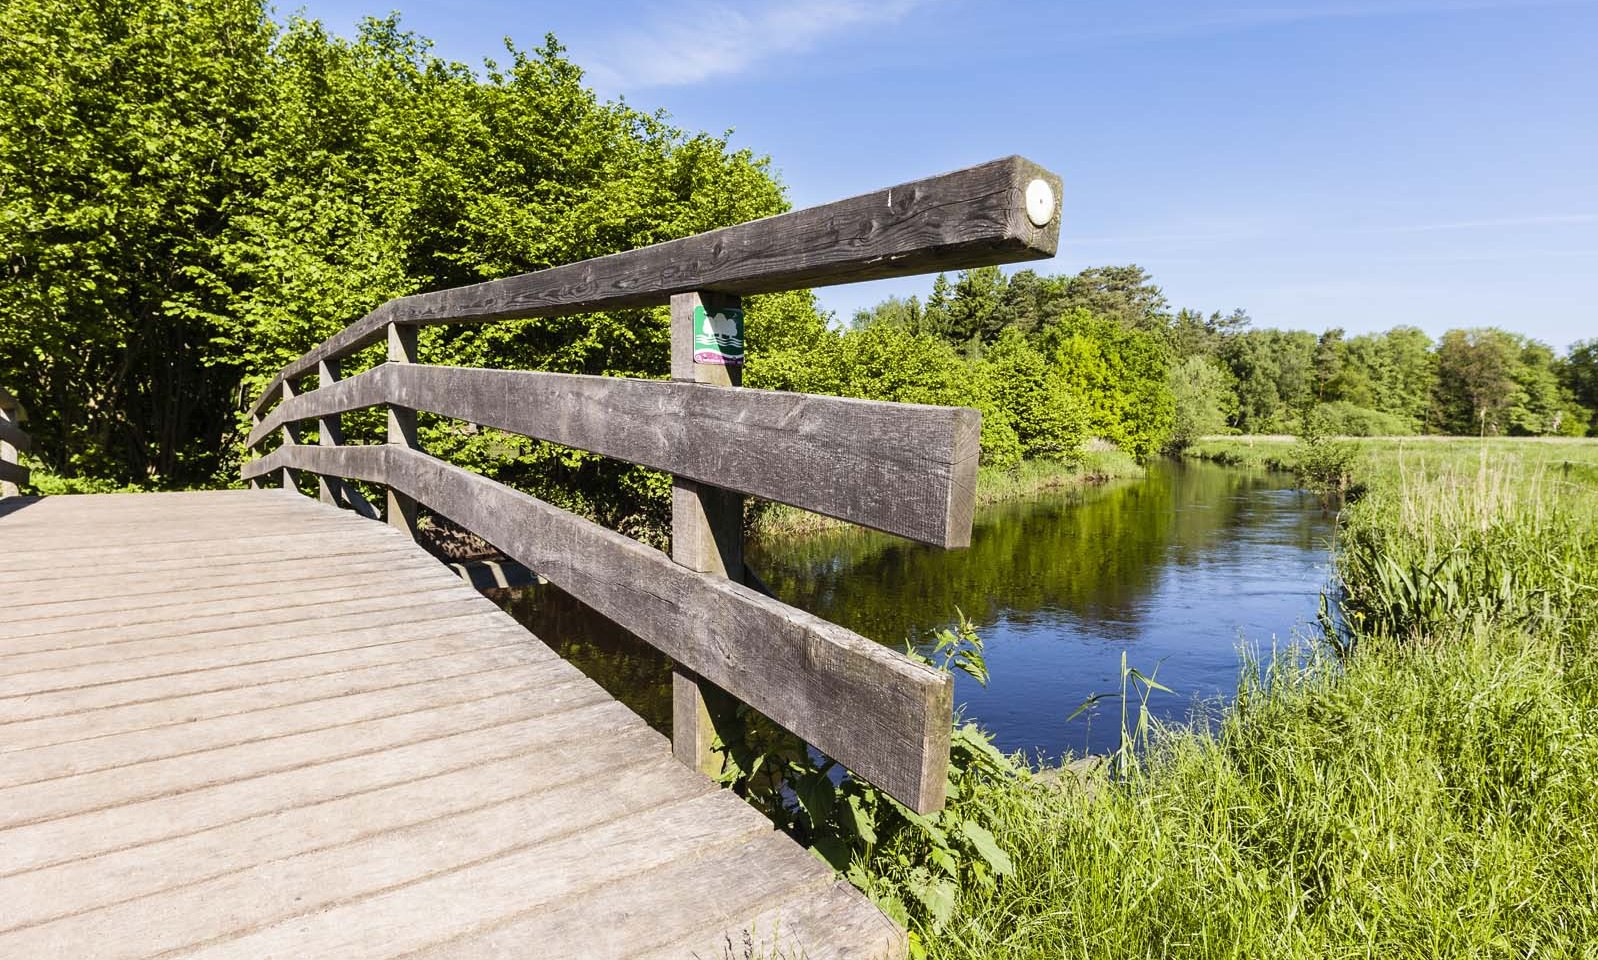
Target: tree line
x=1055, y=360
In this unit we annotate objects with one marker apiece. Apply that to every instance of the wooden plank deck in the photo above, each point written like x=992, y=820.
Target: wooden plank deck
x=245, y=724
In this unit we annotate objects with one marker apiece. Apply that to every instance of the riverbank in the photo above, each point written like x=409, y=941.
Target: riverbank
x=1422, y=787
x=1026, y=479
x=1281, y=452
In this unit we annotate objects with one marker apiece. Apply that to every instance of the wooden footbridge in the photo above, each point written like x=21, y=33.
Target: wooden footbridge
x=251, y=723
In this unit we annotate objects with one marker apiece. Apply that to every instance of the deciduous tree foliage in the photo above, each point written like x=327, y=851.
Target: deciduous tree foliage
x=194, y=196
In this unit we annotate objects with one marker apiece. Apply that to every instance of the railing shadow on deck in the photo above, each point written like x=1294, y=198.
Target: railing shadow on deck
x=902, y=468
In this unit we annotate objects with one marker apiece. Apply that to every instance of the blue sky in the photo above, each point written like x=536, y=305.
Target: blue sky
x=1354, y=164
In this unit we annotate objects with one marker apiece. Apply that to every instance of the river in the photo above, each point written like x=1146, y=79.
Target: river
x=1182, y=570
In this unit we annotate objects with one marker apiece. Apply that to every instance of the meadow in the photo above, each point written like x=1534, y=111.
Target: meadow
x=1418, y=782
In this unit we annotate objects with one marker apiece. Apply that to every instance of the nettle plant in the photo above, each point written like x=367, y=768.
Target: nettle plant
x=912, y=865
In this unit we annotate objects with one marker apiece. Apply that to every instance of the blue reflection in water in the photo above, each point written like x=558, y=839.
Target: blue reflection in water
x=1179, y=569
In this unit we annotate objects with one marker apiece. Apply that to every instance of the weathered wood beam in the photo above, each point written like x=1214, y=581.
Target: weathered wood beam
x=907, y=469
x=329, y=430
x=12, y=440
x=707, y=531
x=12, y=434
x=874, y=710
x=1004, y=211
x=401, y=426
x=13, y=473
x=291, y=436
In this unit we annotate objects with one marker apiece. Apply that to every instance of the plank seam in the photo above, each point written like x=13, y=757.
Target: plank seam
x=192, y=788
x=514, y=850
x=253, y=626
x=543, y=788
x=372, y=561
x=275, y=706
x=391, y=587
x=242, y=686
x=181, y=673
x=532, y=684
x=511, y=751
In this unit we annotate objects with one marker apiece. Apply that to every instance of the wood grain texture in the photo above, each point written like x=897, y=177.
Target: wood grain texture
x=968, y=218
x=402, y=342
x=869, y=707
x=329, y=431
x=707, y=529
x=291, y=435
x=906, y=469
x=389, y=767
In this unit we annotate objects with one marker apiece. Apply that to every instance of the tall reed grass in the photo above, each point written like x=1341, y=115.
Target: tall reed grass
x=1433, y=792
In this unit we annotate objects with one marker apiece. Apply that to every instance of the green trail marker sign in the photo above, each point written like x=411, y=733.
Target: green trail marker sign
x=719, y=337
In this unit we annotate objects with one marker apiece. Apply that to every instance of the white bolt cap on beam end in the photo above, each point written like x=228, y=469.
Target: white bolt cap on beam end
x=1039, y=202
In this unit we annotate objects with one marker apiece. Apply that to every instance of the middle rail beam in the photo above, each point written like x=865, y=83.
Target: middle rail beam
x=906, y=469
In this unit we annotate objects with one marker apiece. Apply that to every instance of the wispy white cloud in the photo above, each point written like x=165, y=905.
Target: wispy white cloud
x=1556, y=220
x=1231, y=19
x=1182, y=237
x=708, y=39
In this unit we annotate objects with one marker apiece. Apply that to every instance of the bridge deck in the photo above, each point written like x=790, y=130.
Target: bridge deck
x=244, y=724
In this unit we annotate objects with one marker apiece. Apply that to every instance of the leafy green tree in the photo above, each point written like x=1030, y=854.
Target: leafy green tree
x=195, y=196
x=1580, y=375
x=1119, y=377
x=1539, y=404
x=906, y=313
x=888, y=362
x=1475, y=379
x=1409, y=374
x=936, y=319
x=1274, y=370
x=123, y=133
x=1035, y=397
x=1204, y=398
x=1029, y=300
x=1328, y=365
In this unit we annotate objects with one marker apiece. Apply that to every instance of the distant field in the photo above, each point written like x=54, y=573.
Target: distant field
x=1571, y=456
x=1251, y=438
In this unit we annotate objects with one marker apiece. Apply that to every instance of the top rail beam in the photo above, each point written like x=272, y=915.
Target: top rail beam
x=987, y=214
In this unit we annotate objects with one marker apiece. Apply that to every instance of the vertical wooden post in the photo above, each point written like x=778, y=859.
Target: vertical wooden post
x=290, y=438
x=8, y=453
x=330, y=429
x=706, y=535
x=402, y=426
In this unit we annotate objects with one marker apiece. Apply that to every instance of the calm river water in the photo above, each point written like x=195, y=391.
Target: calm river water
x=1180, y=570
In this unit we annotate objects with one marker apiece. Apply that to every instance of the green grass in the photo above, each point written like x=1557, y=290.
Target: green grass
x=1433, y=793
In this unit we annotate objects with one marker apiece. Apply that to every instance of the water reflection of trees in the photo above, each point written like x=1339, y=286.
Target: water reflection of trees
x=1094, y=554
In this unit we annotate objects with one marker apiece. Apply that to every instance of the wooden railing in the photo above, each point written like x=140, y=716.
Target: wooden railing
x=905, y=469
x=12, y=443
